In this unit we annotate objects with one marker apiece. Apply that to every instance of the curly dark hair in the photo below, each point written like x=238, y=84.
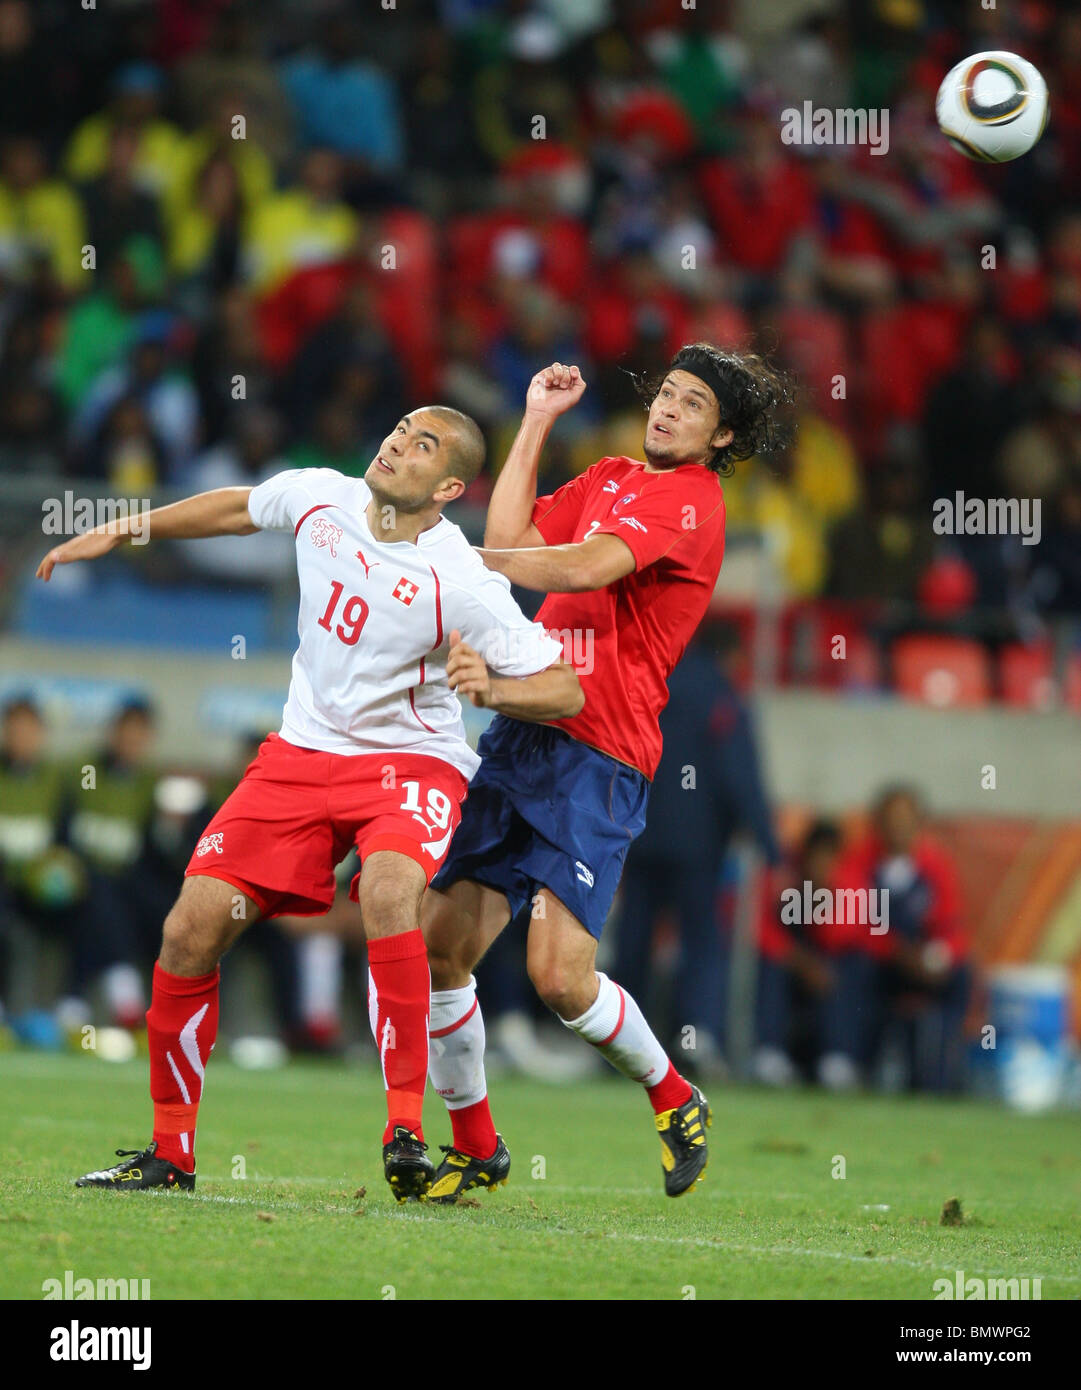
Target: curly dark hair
x=752, y=393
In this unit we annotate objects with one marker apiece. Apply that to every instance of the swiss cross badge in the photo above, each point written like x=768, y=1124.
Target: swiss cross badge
x=405, y=591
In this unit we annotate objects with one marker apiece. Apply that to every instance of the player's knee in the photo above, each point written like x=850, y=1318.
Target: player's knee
x=451, y=938
x=445, y=966
x=386, y=910
x=554, y=983
x=188, y=947
x=451, y=958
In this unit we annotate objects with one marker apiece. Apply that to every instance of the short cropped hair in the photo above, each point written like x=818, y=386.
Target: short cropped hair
x=466, y=446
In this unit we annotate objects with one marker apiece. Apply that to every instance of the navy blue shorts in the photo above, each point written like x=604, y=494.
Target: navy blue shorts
x=546, y=811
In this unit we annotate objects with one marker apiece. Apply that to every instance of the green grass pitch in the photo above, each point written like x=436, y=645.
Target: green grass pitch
x=584, y=1215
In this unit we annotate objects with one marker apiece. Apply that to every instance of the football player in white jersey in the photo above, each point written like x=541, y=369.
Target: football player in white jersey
x=398, y=616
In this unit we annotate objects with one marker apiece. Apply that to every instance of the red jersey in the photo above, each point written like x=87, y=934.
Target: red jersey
x=928, y=908
x=625, y=639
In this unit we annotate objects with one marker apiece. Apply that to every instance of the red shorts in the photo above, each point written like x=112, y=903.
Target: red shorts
x=297, y=812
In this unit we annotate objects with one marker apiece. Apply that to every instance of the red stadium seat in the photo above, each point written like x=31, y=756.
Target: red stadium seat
x=1072, y=682
x=813, y=655
x=1027, y=675
x=941, y=671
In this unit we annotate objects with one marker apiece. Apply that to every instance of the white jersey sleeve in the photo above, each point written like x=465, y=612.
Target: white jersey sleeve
x=491, y=622
x=280, y=502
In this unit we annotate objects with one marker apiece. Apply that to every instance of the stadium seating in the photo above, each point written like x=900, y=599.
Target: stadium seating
x=942, y=671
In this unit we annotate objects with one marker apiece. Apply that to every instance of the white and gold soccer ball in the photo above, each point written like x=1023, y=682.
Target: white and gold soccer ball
x=992, y=106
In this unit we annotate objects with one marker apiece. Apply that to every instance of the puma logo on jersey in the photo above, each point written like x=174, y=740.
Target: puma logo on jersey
x=367, y=567
x=210, y=842
x=439, y=847
x=584, y=875
x=632, y=521
x=611, y=486
x=325, y=533
x=405, y=591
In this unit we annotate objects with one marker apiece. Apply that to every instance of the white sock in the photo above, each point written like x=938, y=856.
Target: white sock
x=614, y=1024
x=456, y=1049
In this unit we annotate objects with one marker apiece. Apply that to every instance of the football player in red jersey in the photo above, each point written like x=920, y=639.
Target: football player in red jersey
x=628, y=553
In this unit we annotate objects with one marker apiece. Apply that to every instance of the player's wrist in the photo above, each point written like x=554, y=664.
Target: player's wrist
x=110, y=536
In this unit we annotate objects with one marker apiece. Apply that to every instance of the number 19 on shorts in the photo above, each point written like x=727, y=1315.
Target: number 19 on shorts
x=439, y=806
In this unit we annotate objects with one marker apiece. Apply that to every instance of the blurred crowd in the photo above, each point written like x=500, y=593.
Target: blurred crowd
x=92, y=853
x=236, y=237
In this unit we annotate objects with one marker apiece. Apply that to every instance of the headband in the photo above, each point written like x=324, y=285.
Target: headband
x=702, y=365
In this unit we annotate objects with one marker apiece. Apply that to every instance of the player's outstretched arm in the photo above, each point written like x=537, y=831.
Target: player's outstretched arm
x=223, y=512
x=550, y=694
x=564, y=569
x=510, y=512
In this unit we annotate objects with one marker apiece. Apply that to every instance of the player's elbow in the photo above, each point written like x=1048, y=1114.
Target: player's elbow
x=570, y=694
x=586, y=572
x=241, y=522
x=594, y=564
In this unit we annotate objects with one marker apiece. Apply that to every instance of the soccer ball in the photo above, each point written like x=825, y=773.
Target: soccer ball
x=992, y=106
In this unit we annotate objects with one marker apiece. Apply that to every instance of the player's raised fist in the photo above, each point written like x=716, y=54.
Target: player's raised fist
x=89, y=546
x=467, y=672
x=554, y=390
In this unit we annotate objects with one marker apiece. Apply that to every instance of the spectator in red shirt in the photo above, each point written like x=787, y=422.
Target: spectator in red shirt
x=801, y=975
x=758, y=202
x=922, y=979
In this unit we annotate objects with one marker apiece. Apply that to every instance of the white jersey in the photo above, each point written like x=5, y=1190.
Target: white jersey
x=370, y=673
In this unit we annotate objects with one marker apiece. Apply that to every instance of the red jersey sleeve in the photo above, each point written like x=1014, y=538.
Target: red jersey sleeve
x=944, y=920
x=666, y=518
x=775, y=941
x=556, y=515
x=855, y=871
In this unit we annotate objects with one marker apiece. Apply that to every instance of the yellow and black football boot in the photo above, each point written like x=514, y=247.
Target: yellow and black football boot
x=460, y=1173
x=406, y=1165
x=684, y=1152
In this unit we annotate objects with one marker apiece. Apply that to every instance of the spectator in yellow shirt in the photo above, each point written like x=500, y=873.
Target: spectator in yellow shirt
x=304, y=226
x=136, y=98
x=225, y=136
x=825, y=470
x=39, y=215
x=206, y=237
x=762, y=499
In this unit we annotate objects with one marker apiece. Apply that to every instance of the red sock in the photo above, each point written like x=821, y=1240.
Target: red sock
x=670, y=1092
x=398, y=995
x=181, y=1026
x=473, y=1131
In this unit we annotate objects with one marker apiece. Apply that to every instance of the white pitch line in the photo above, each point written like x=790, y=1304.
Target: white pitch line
x=743, y=1194
x=699, y=1242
